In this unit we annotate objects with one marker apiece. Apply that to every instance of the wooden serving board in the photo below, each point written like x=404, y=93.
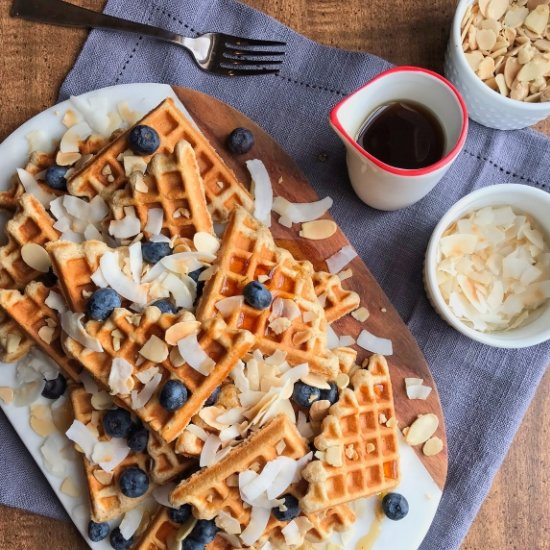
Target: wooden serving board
x=216, y=119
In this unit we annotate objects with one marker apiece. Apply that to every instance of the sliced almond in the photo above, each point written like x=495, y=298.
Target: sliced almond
x=175, y=357
x=101, y=401
x=346, y=274
x=319, y=410
x=486, y=39
x=534, y=69
x=361, y=314
x=280, y=447
x=342, y=380
x=318, y=230
x=133, y=164
x=333, y=456
x=206, y=243
x=392, y=422
x=70, y=488
x=70, y=118
x=486, y=68
x=12, y=342
x=350, y=452
x=181, y=330
x=433, y=446
x=371, y=447
x=35, y=256
x=501, y=83
x=537, y=20
x=6, y=394
x=67, y=159
x=46, y=334
x=154, y=349
x=519, y=90
x=515, y=16
x=422, y=429
x=382, y=419
x=497, y=8
x=511, y=70
x=41, y=420
x=105, y=478
x=474, y=59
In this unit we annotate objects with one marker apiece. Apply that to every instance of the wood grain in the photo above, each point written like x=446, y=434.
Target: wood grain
x=33, y=62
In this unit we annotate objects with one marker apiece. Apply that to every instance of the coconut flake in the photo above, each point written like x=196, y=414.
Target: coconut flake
x=262, y=190
x=139, y=400
x=418, y=391
x=130, y=522
x=51, y=451
x=259, y=518
x=56, y=301
x=155, y=219
x=109, y=454
x=194, y=355
x=206, y=243
x=120, y=376
x=301, y=211
x=375, y=344
x=197, y=431
x=182, y=289
x=31, y=186
x=127, y=227
x=301, y=463
x=228, y=306
x=228, y=523
x=27, y=393
x=91, y=212
x=341, y=259
x=283, y=478
x=70, y=142
x=117, y=280
x=333, y=340
x=136, y=261
x=209, y=450
x=83, y=437
x=71, y=323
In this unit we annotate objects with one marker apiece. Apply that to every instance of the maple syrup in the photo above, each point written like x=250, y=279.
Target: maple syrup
x=403, y=134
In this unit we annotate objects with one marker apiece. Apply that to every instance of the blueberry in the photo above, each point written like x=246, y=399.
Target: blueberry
x=138, y=437
x=192, y=544
x=118, y=542
x=55, y=388
x=305, y=395
x=204, y=531
x=153, y=252
x=117, y=423
x=133, y=482
x=395, y=506
x=97, y=531
x=143, y=140
x=55, y=177
x=292, y=508
x=213, y=397
x=173, y=395
x=330, y=395
x=165, y=306
x=181, y=514
x=240, y=141
x=256, y=295
x=195, y=274
x=102, y=303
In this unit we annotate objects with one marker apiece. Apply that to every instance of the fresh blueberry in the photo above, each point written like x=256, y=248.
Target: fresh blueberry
x=204, y=531
x=330, y=395
x=117, y=423
x=181, y=514
x=240, y=141
x=192, y=544
x=395, y=506
x=213, y=397
x=55, y=177
x=305, y=395
x=102, y=303
x=133, y=482
x=153, y=252
x=165, y=306
x=195, y=274
x=292, y=509
x=97, y=531
x=138, y=437
x=143, y=140
x=118, y=542
x=173, y=395
x=55, y=388
x=256, y=295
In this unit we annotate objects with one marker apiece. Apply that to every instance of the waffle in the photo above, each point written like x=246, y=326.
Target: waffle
x=369, y=449
x=14, y=344
x=106, y=500
x=30, y=224
x=248, y=252
x=165, y=463
x=30, y=312
x=74, y=264
x=174, y=184
x=346, y=358
x=223, y=191
x=337, y=300
x=224, y=345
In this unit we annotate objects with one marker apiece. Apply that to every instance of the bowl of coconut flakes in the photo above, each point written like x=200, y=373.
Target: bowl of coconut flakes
x=487, y=266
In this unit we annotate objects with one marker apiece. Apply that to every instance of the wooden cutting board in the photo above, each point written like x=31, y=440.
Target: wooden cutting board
x=217, y=119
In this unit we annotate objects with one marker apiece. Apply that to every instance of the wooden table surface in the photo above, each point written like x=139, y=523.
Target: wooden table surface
x=33, y=62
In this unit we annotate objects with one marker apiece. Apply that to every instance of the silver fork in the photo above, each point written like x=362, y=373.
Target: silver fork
x=214, y=52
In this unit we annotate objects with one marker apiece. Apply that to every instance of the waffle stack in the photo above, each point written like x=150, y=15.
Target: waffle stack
x=248, y=253
x=366, y=447
x=125, y=333
x=337, y=300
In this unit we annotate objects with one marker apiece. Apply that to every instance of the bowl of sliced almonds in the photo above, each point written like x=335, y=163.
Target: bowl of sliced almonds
x=487, y=266
x=498, y=57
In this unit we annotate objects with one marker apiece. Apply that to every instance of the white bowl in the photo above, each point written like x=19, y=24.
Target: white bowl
x=521, y=197
x=484, y=104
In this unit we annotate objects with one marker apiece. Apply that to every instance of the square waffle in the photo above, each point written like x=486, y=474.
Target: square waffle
x=174, y=184
x=223, y=345
x=223, y=190
x=368, y=448
x=106, y=500
x=248, y=252
x=31, y=313
x=338, y=301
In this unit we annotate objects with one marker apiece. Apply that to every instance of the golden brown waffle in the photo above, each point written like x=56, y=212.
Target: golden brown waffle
x=32, y=314
x=346, y=358
x=225, y=346
x=368, y=448
x=223, y=190
x=74, y=264
x=248, y=252
x=173, y=184
x=165, y=463
x=338, y=301
x=336, y=518
x=30, y=224
x=106, y=500
x=14, y=344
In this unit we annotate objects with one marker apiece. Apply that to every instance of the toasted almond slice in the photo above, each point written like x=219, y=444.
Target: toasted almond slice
x=474, y=59
x=206, y=243
x=333, y=456
x=422, y=429
x=537, y=20
x=316, y=381
x=483, y=7
x=318, y=230
x=361, y=314
x=70, y=488
x=392, y=422
x=486, y=39
x=511, y=70
x=105, y=478
x=41, y=420
x=342, y=380
x=70, y=118
x=318, y=410
x=370, y=447
x=519, y=90
x=154, y=349
x=496, y=8
x=501, y=83
x=486, y=68
x=6, y=394
x=181, y=330
x=35, y=256
x=515, y=16
x=67, y=159
x=46, y=334
x=175, y=357
x=433, y=446
x=382, y=419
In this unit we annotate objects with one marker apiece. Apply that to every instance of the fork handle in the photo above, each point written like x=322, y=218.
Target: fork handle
x=56, y=12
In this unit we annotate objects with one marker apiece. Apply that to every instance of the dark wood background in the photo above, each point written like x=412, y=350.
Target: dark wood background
x=33, y=62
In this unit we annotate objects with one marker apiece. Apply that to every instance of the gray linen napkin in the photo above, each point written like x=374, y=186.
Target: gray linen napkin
x=484, y=391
